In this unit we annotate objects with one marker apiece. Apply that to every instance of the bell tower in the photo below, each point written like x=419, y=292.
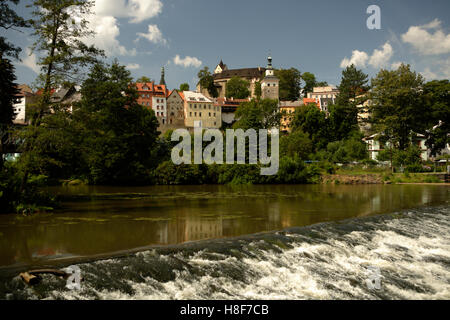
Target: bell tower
x=270, y=85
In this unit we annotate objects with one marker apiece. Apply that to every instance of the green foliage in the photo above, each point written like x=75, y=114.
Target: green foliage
x=258, y=90
x=436, y=120
x=290, y=81
x=262, y=114
x=144, y=79
x=310, y=120
x=237, y=88
x=8, y=91
x=296, y=144
x=184, y=87
x=398, y=105
x=353, y=84
x=27, y=200
x=349, y=150
x=109, y=138
x=10, y=20
x=311, y=82
x=206, y=81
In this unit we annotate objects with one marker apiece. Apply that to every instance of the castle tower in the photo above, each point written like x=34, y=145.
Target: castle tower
x=270, y=85
x=163, y=80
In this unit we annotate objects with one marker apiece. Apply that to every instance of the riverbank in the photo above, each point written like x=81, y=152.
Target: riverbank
x=385, y=178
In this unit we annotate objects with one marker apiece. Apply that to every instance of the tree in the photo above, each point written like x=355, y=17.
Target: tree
x=353, y=85
x=436, y=118
x=310, y=120
x=290, y=81
x=144, y=79
x=262, y=114
x=296, y=144
x=121, y=134
x=343, y=121
x=258, y=90
x=397, y=105
x=59, y=27
x=184, y=87
x=8, y=89
x=310, y=82
x=237, y=88
x=206, y=81
x=10, y=20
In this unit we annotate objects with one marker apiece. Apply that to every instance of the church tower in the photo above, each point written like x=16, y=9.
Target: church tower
x=163, y=80
x=270, y=85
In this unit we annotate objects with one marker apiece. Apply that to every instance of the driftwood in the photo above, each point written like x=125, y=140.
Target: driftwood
x=33, y=277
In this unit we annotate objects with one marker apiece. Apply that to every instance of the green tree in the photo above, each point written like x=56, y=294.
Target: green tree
x=310, y=82
x=206, y=81
x=121, y=135
x=258, y=90
x=290, y=82
x=262, y=114
x=144, y=79
x=436, y=118
x=184, y=87
x=9, y=20
x=353, y=85
x=237, y=88
x=296, y=144
x=59, y=27
x=8, y=89
x=343, y=121
x=310, y=120
x=397, y=105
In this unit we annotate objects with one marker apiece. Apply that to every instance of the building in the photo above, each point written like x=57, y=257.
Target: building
x=175, y=110
x=222, y=75
x=25, y=98
x=66, y=97
x=197, y=107
x=288, y=109
x=154, y=96
x=270, y=85
x=325, y=96
x=375, y=146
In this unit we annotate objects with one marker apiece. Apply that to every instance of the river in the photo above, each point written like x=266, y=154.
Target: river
x=228, y=242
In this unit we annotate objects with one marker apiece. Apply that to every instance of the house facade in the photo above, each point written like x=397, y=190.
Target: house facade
x=154, y=96
x=325, y=96
x=198, y=107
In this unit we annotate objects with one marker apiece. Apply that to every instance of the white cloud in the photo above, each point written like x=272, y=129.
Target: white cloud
x=136, y=10
x=154, y=35
x=441, y=70
x=106, y=32
x=30, y=61
x=187, y=61
x=396, y=65
x=425, y=42
x=133, y=66
x=359, y=59
x=104, y=21
x=380, y=58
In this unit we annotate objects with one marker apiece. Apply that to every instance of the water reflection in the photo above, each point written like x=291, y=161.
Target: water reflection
x=137, y=217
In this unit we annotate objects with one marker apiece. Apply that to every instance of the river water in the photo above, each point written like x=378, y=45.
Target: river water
x=246, y=242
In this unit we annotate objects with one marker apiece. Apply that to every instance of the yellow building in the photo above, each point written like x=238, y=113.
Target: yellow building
x=198, y=107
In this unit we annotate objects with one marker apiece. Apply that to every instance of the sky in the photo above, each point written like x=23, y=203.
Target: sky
x=321, y=37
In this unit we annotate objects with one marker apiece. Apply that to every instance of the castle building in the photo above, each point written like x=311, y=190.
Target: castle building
x=153, y=96
x=175, y=110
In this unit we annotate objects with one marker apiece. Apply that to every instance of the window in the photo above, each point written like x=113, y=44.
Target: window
x=200, y=114
x=195, y=114
x=205, y=106
x=210, y=114
x=190, y=114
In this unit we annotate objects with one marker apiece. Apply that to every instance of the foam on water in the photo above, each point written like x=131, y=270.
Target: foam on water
x=326, y=261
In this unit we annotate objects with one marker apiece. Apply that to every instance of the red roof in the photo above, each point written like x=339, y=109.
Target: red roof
x=310, y=100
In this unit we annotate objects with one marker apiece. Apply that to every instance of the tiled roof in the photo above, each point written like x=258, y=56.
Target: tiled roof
x=243, y=73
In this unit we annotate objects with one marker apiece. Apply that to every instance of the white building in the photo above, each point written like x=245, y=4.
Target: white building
x=375, y=146
x=325, y=96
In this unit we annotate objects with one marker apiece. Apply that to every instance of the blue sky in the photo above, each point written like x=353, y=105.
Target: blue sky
x=315, y=36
